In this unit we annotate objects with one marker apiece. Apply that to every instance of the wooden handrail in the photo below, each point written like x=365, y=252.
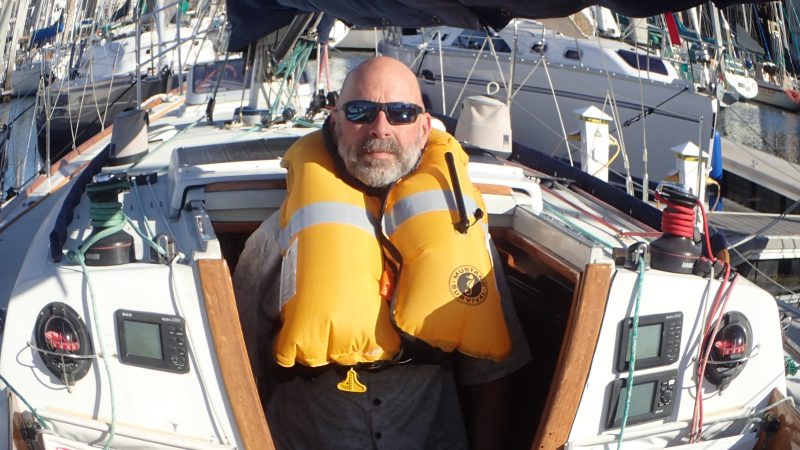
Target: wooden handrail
x=575, y=358
x=234, y=364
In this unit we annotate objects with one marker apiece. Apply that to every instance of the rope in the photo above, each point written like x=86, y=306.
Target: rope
x=28, y=405
x=78, y=257
x=558, y=215
x=297, y=59
x=767, y=226
x=588, y=213
x=110, y=216
x=613, y=158
x=764, y=276
x=632, y=352
x=717, y=310
x=677, y=219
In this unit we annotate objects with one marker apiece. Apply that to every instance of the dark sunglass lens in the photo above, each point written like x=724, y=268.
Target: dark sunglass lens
x=361, y=112
x=402, y=112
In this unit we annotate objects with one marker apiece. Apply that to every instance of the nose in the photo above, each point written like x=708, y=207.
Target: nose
x=380, y=127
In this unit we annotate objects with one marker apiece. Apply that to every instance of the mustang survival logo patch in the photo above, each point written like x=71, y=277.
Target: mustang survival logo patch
x=467, y=285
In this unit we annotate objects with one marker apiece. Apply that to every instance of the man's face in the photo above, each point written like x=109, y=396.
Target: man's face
x=377, y=152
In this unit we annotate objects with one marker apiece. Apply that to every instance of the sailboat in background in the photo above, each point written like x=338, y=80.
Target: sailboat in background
x=776, y=85
x=712, y=55
x=22, y=71
x=117, y=71
x=650, y=107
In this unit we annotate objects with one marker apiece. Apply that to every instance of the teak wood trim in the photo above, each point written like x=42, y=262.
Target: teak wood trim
x=60, y=165
x=533, y=253
x=247, y=185
x=495, y=189
x=575, y=358
x=223, y=318
x=788, y=429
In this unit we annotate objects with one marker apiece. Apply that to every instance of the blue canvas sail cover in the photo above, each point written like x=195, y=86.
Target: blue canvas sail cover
x=47, y=34
x=252, y=19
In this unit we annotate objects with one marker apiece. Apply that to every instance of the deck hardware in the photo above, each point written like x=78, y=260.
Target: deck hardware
x=732, y=346
x=166, y=243
x=63, y=336
x=463, y=223
x=677, y=250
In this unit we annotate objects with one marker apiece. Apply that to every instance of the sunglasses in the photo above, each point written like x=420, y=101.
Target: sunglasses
x=398, y=113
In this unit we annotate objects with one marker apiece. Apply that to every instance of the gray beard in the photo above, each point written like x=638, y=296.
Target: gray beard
x=380, y=172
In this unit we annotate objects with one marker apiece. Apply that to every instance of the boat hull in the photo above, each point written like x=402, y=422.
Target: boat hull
x=670, y=115
x=774, y=95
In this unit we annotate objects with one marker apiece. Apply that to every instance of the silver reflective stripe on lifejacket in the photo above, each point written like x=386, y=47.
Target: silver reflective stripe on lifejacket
x=326, y=213
x=421, y=203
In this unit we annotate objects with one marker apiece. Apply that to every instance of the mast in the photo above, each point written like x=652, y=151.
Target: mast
x=717, y=31
x=5, y=19
x=19, y=25
x=69, y=24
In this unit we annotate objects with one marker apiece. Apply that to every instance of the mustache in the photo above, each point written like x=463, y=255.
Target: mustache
x=388, y=145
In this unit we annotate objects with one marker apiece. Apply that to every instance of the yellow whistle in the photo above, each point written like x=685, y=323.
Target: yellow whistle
x=351, y=383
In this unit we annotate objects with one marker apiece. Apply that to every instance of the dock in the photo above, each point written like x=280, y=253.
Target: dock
x=766, y=242
x=766, y=248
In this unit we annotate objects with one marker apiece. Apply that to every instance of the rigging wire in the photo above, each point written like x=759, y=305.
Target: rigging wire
x=611, y=95
x=469, y=75
x=769, y=225
x=645, y=174
x=794, y=294
x=558, y=110
x=441, y=67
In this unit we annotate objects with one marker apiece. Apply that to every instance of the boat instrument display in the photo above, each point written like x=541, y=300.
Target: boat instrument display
x=154, y=341
x=658, y=343
x=651, y=398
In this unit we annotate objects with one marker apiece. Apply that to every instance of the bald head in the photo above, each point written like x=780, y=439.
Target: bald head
x=378, y=151
x=384, y=76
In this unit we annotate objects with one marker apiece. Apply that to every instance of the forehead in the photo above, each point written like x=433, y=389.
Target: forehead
x=383, y=87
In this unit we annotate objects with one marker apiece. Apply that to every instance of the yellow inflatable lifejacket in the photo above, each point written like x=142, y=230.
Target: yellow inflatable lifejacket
x=447, y=292
x=332, y=305
x=332, y=309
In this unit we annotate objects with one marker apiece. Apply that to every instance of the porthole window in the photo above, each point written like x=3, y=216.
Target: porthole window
x=573, y=53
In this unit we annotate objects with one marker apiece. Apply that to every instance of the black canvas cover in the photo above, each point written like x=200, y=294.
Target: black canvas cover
x=253, y=19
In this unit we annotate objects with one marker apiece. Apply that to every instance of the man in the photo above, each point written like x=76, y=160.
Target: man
x=389, y=382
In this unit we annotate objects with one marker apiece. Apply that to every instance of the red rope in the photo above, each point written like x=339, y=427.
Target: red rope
x=677, y=219
x=717, y=311
x=705, y=232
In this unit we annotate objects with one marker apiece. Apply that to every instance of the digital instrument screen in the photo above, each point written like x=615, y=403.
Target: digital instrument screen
x=652, y=397
x=641, y=399
x=658, y=341
x=152, y=340
x=648, y=341
x=143, y=339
